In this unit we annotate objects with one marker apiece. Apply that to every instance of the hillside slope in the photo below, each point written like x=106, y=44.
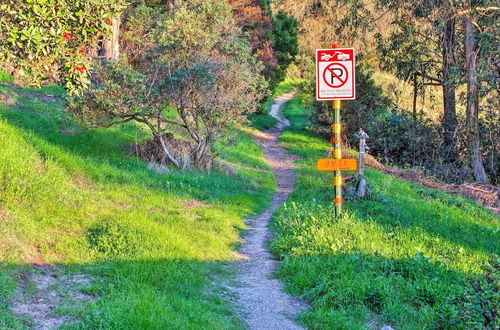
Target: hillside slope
x=72, y=203
x=407, y=256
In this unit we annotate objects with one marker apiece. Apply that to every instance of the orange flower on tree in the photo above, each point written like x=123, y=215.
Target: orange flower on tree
x=109, y=22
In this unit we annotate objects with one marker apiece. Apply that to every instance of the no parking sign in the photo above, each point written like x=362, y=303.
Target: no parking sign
x=335, y=74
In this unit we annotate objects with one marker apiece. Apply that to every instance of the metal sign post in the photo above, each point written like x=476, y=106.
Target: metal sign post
x=335, y=80
x=337, y=154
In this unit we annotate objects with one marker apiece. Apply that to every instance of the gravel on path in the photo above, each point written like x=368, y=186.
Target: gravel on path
x=260, y=297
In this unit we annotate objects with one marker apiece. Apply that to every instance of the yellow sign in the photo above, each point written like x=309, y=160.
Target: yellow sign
x=331, y=164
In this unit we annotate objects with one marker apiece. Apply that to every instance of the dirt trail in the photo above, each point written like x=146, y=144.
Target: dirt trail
x=43, y=290
x=260, y=297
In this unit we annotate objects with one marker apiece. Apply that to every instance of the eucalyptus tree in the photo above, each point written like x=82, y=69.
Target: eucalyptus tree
x=427, y=43
x=480, y=41
x=422, y=46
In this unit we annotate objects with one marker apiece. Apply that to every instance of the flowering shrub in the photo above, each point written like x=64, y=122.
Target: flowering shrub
x=46, y=40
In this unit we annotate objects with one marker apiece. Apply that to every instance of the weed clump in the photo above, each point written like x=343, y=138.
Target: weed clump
x=478, y=307
x=110, y=238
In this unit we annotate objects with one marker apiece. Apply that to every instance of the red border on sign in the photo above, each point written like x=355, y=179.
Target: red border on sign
x=343, y=82
x=353, y=96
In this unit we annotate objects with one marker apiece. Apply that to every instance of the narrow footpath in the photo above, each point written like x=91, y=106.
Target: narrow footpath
x=260, y=297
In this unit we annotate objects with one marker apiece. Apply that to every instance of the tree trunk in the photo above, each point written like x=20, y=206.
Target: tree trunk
x=450, y=114
x=472, y=122
x=202, y=157
x=415, y=96
x=167, y=151
x=171, y=4
x=110, y=48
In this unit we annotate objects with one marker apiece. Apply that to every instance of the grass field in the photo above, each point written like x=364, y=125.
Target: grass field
x=152, y=243
x=407, y=256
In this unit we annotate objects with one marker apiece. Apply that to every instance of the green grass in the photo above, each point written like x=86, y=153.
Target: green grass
x=288, y=85
x=71, y=197
x=262, y=122
x=5, y=77
x=402, y=257
x=265, y=121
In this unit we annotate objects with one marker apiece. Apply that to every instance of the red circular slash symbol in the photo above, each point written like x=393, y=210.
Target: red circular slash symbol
x=336, y=78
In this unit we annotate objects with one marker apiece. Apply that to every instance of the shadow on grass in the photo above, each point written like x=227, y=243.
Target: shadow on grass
x=129, y=294
x=449, y=217
x=349, y=291
x=398, y=204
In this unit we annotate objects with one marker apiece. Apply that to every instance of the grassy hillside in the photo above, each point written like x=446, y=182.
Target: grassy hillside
x=403, y=257
x=152, y=243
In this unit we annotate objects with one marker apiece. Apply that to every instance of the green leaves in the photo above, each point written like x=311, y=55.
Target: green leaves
x=43, y=38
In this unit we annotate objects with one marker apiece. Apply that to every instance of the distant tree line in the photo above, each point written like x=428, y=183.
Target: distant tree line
x=449, y=44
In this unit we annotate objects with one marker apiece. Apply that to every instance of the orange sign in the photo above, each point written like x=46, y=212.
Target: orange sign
x=331, y=164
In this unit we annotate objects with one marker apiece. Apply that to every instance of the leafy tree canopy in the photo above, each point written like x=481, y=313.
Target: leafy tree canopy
x=48, y=40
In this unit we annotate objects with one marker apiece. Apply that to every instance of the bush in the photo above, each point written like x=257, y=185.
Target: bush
x=479, y=306
x=48, y=40
x=170, y=90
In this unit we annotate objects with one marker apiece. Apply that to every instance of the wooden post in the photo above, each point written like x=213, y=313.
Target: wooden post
x=361, y=191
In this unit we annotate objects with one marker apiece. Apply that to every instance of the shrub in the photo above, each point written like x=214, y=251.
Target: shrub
x=479, y=306
x=198, y=76
x=48, y=40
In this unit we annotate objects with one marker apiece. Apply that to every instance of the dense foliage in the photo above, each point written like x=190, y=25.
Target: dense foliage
x=448, y=44
x=256, y=20
x=406, y=257
x=49, y=40
x=285, y=44
x=478, y=306
x=196, y=75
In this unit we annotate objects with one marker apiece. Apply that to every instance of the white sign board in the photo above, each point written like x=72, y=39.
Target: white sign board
x=335, y=74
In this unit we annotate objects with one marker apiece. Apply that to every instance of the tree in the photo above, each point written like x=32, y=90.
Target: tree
x=285, y=44
x=430, y=27
x=49, y=40
x=423, y=46
x=198, y=77
x=256, y=20
x=471, y=14
x=324, y=22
